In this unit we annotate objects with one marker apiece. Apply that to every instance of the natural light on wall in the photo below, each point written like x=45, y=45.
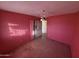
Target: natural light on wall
x=16, y=32
x=44, y=25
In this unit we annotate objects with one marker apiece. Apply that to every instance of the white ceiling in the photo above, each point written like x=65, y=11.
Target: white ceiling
x=35, y=8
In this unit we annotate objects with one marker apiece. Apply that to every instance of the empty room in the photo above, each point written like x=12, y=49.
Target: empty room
x=39, y=29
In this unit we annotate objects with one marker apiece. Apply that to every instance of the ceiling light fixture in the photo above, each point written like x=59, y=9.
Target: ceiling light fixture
x=43, y=16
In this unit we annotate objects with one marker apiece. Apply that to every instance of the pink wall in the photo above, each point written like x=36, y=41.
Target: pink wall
x=65, y=28
x=75, y=43
x=24, y=22
x=61, y=28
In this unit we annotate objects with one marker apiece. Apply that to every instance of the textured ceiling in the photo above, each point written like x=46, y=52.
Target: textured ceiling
x=35, y=8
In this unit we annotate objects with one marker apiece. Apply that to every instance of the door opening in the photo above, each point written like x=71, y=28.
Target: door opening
x=37, y=29
x=44, y=28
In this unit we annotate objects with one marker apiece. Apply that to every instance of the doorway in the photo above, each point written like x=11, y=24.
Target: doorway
x=37, y=27
x=40, y=28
